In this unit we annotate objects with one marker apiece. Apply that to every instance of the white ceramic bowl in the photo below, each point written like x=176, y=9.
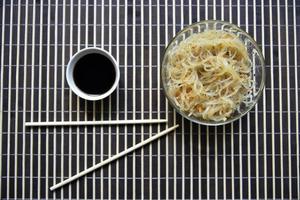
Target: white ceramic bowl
x=70, y=70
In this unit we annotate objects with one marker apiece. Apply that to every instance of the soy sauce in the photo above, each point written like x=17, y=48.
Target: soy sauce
x=94, y=74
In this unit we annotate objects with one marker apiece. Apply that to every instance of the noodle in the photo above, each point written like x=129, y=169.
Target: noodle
x=208, y=75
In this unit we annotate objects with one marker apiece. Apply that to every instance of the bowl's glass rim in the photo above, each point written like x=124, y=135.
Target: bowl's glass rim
x=261, y=87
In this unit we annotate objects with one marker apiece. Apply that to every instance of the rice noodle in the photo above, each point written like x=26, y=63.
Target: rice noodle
x=208, y=75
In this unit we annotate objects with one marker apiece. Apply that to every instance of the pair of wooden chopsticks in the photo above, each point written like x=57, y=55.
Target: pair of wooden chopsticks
x=113, y=158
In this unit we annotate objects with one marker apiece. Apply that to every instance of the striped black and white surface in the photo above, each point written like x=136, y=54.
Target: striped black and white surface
x=256, y=157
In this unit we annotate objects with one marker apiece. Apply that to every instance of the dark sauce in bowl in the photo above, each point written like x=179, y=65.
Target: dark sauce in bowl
x=94, y=74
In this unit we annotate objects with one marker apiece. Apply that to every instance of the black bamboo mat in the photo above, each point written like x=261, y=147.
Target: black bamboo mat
x=256, y=157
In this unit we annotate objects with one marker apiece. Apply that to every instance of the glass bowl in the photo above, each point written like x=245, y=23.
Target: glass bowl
x=255, y=55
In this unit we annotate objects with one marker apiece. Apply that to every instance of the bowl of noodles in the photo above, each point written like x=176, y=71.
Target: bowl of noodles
x=213, y=72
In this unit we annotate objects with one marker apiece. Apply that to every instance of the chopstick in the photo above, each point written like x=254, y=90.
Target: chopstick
x=107, y=161
x=110, y=122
